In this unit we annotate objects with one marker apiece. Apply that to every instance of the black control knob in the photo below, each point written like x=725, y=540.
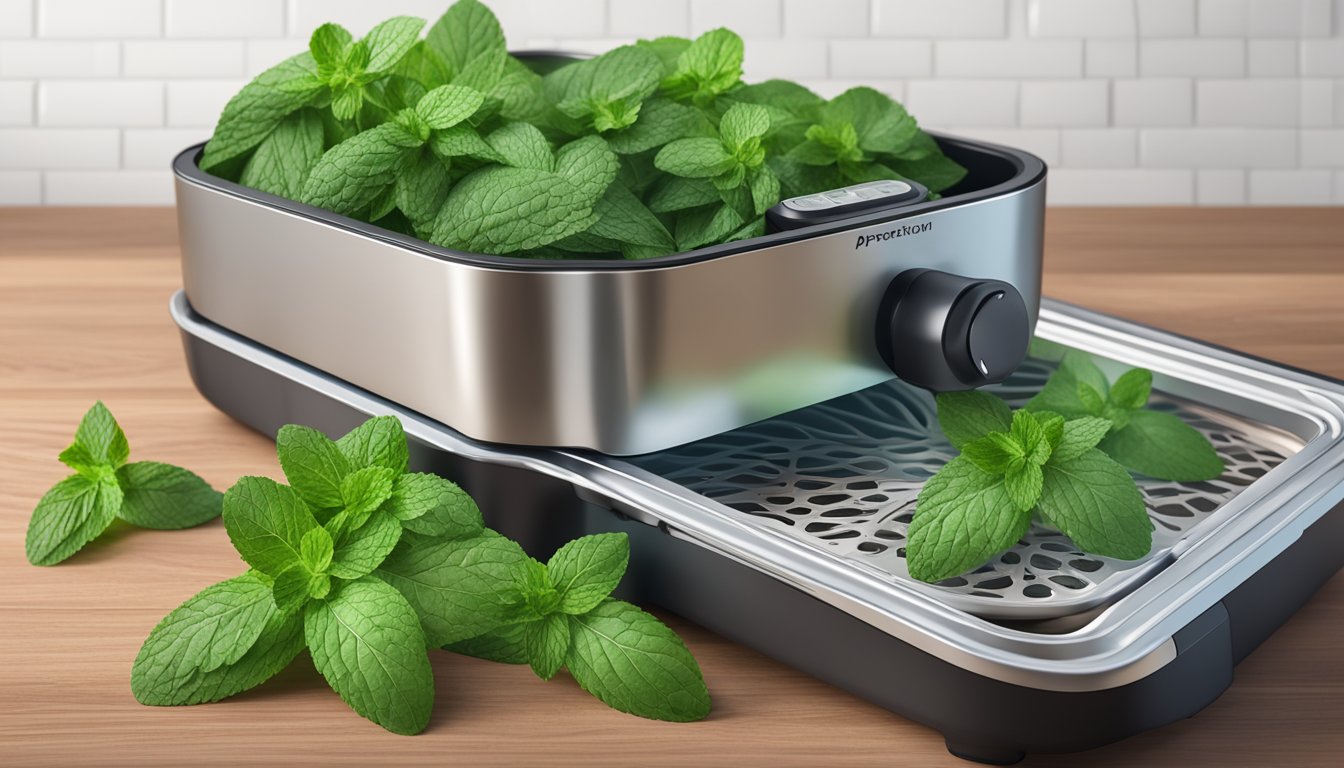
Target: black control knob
x=945, y=332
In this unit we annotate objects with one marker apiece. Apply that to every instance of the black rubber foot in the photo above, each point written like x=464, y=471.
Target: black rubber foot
x=981, y=753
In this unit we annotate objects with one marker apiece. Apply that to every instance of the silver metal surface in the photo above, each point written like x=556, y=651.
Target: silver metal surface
x=843, y=476
x=1128, y=640
x=621, y=361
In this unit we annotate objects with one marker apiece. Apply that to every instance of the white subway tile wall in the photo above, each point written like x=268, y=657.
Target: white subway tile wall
x=1181, y=102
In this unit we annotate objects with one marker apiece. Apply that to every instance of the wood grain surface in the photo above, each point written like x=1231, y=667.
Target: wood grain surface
x=83, y=316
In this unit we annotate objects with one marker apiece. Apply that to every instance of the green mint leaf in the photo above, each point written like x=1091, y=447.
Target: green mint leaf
x=502, y=210
x=588, y=164
x=801, y=103
x=1060, y=393
x=364, y=491
x=290, y=589
x=313, y=464
x=366, y=641
x=390, y=41
x=617, y=81
x=765, y=189
x=432, y=506
x=587, y=569
x=462, y=141
x=99, y=441
x=165, y=497
x=1094, y=501
x=286, y=157
x=522, y=145
x=633, y=663
x=882, y=125
x=1160, y=445
x=1029, y=434
x=378, y=442
x=448, y=105
x=676, y=193
x=547, y=643
x=936, y=171
x=667, y=49
x=226, y=639
x=315, y=550
x=485, y=73
x=967, y=416
x=622, y=217
x=710, y=65
x=963, y=517
x=328, y=44
x=459, y=588
x=421, y=189
x=1080, y=436
x=266, y=522
x=709, y=224
x=424, y=66
x=994, y=453
x=259, y=107
x=346, y=102
x=1091, y=400
x=73, y=513
x=467, y=30
x=506, y=645
x=1052, y=425
x=814, y=152
x=517, y=95
x=659, y=122
x=353, y=174
x=1132, y=389
x=1023, y=485
x=698, y=158
x=742, y=122
x=359, y=550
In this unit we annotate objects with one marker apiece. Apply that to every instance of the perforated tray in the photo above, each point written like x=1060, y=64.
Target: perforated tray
x=843, y=477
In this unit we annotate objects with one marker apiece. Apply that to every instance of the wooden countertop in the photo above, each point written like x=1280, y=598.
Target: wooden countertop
x=83, y=315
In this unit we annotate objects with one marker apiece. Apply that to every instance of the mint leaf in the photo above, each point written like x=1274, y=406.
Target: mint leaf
x=313, y=464
x=467, y=30
x=622, y=217
x=1092, y=500
x=963, y=517
x=424, y=66
x=743, y=122
x=506, y=645
x=1080, y=436
x=765, y=189
x=378, y=442
x=1132, y=389
x=352, y=174
x=421, y=189
x=503, y=210
x=1029, y=434
x=359, y=550
x=432, y=506
x=365, y=490
x=881, y=125
x=1023, y=485
x=694, y=158
x=226, y=639
x=710, y=65
x=1060, y=393
x=966, y=416
x=286, y=157
x=290, y=589
x=706, y=225
x=1160, y=445
x=678, y=194
x=589, y=164
x=73, y=513
x=605, y=92
x=522, y=145
x=587, y=570
x=315, y=550
x=633, y=663
x=994, y=453
x=462, y=141
x=259, y=107
x=547, y=643
x=266, y=522
x=366, y=641
x=328, y=44
x=165, y=497
x=459, y=588
x=390, y=40
x=659, y=122
x=99, y=441
x=448, y=105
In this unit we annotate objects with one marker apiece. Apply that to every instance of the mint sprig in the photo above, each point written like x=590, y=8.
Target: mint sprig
x=1153, y=443
x=367, y=565
x=147, y=494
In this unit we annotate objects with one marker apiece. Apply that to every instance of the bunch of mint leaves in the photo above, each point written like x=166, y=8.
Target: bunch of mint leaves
x=104, y=488
x=367, y=566
x=1064, y=458
x=649, y=149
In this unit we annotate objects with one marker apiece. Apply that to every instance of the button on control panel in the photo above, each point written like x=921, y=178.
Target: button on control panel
x=839, y=203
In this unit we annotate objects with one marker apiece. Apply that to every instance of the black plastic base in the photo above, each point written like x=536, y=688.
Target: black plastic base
x=982, y=719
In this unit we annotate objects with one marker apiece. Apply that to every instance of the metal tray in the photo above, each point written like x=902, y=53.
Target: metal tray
x=1282, y=431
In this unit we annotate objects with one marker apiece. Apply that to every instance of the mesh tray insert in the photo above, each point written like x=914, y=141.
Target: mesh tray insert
x=843, y=476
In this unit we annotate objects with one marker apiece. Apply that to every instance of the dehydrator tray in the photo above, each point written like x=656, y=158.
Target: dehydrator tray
x=1281, y=431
